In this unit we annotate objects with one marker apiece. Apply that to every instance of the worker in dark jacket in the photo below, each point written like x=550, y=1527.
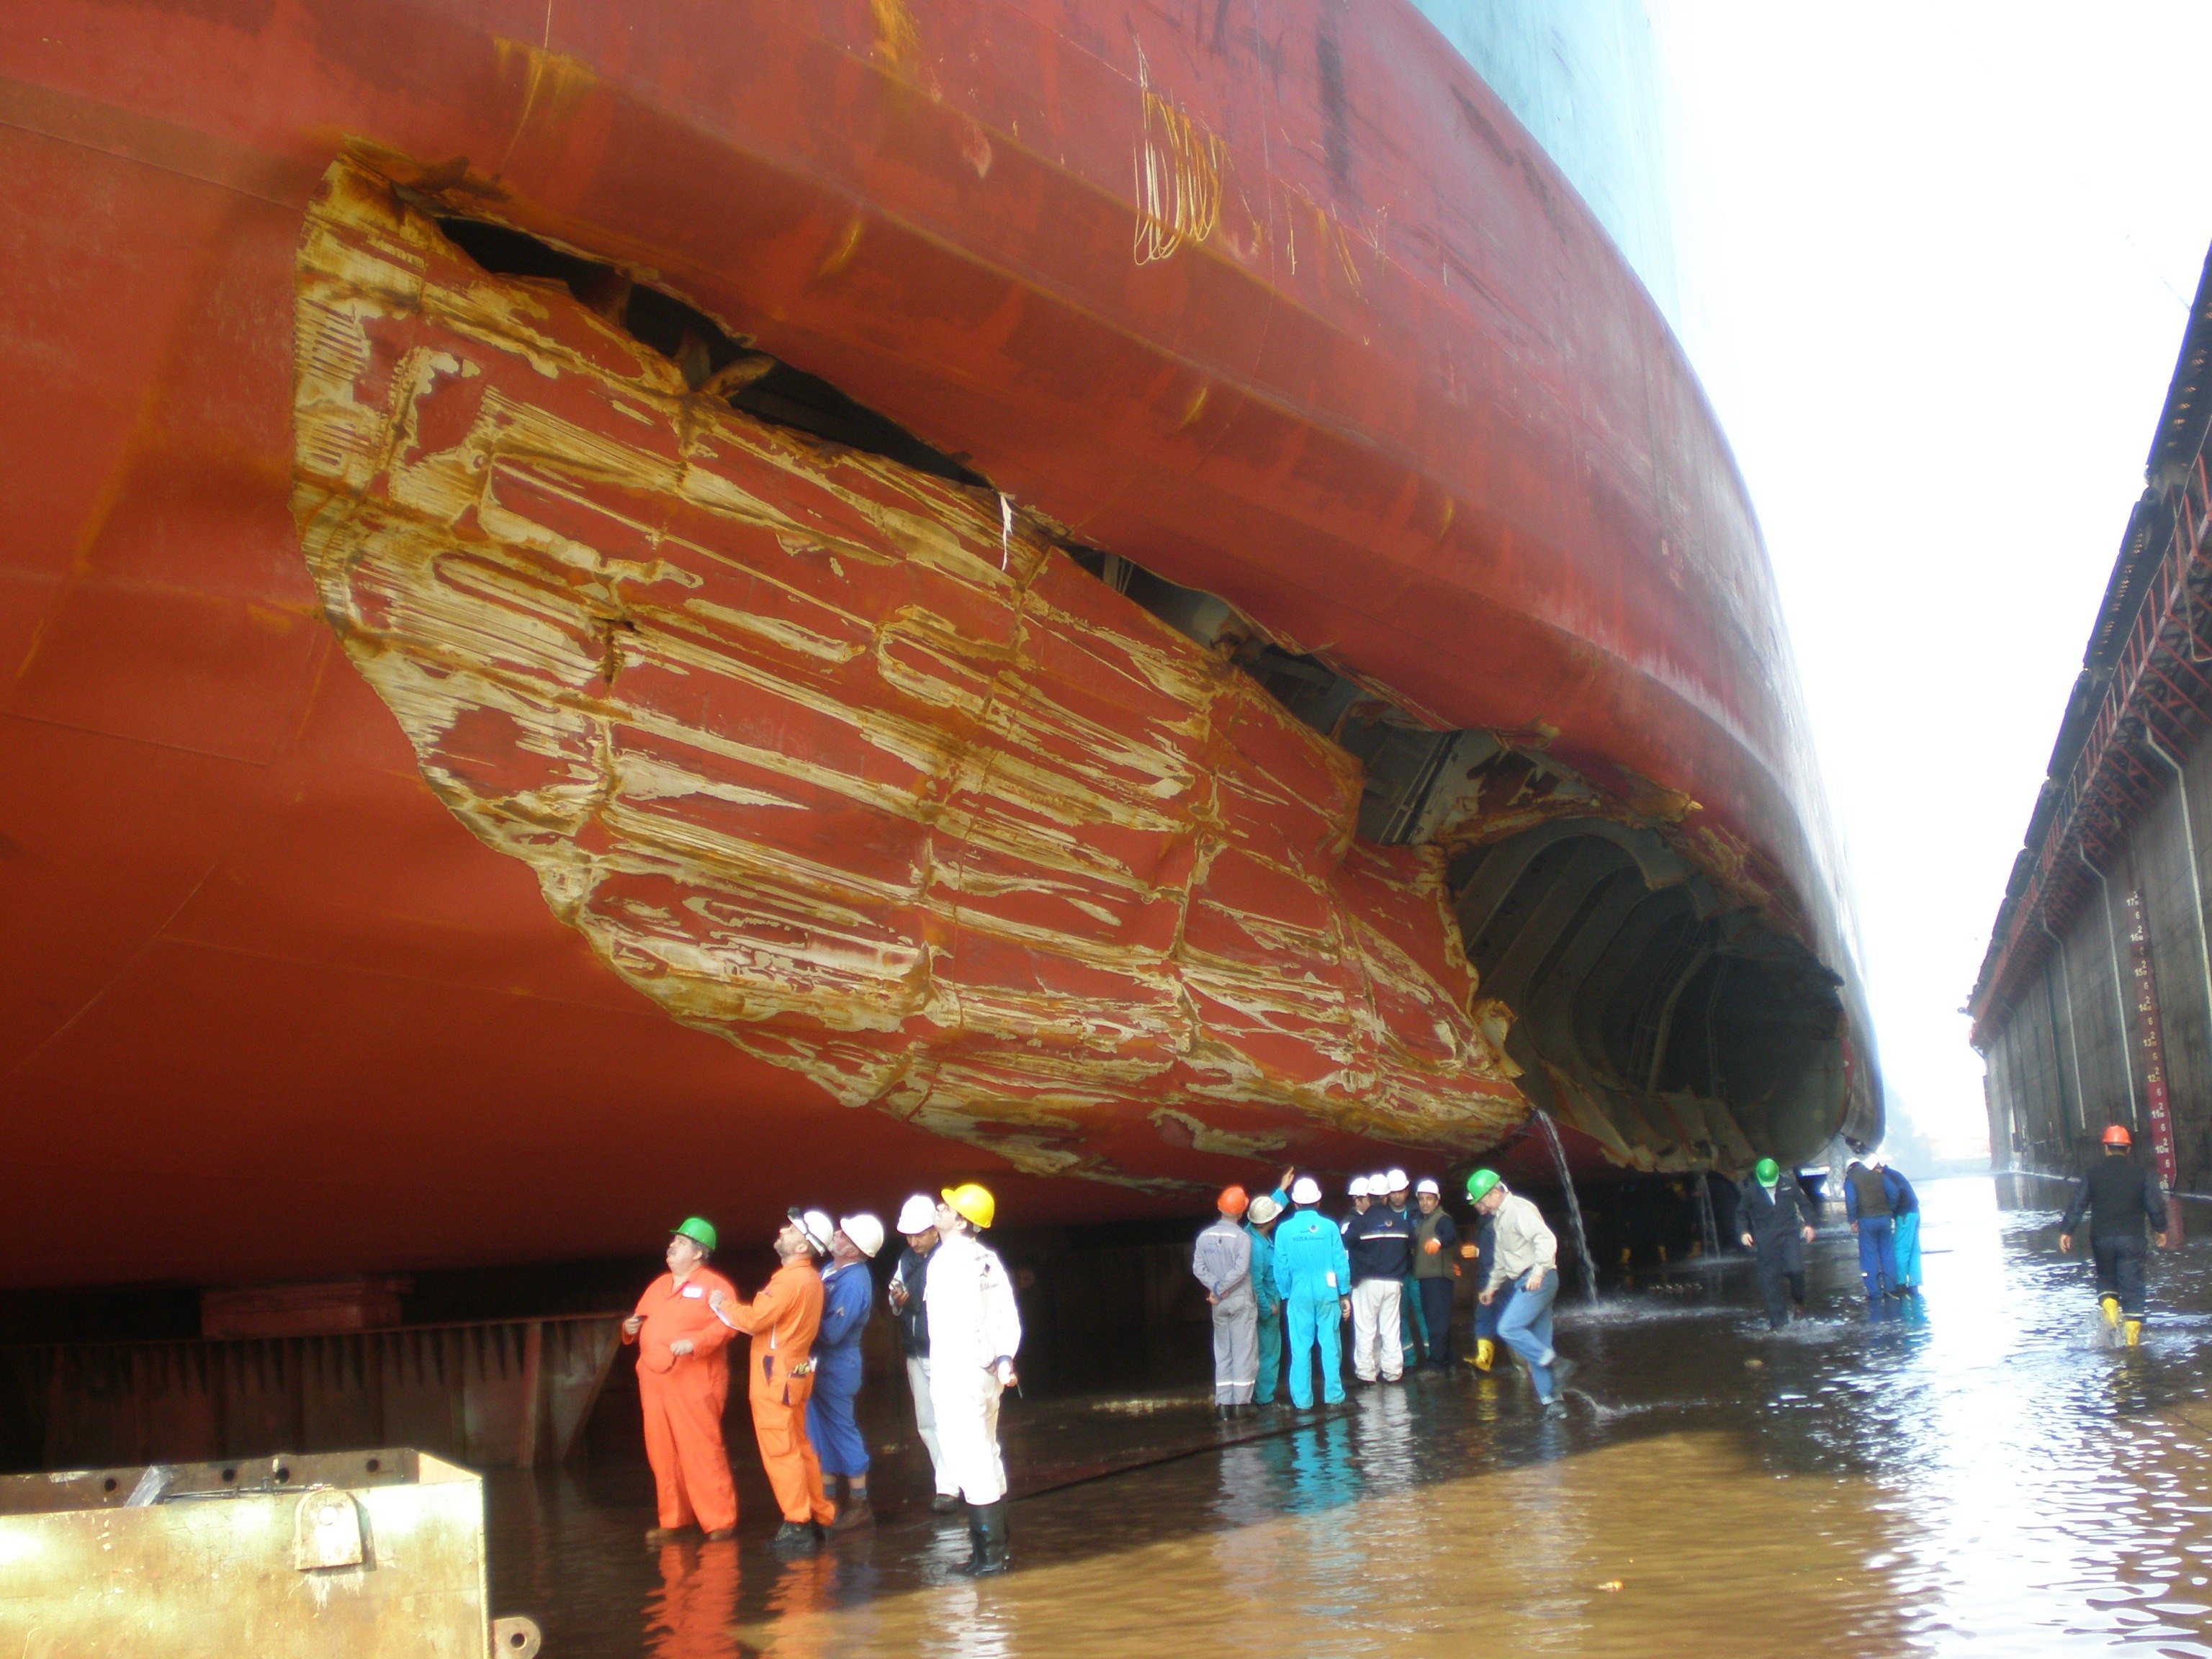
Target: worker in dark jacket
x=2121, y=1198
x=1905, y=1212
x=1436, y=1265
x=1866, y=1202
x=1776, y=1221
x=1380, y=1244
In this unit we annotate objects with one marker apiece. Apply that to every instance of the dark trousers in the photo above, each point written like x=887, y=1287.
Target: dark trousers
x=1877, y=1254
x=1779, y=1286
x=2120, y=1271
x=1436, y=1314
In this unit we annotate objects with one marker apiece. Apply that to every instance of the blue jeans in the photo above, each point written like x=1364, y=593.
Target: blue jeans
x=1526, y=1328
x=1486, y=1319
x=1314, y=1324
x=1877, y=1254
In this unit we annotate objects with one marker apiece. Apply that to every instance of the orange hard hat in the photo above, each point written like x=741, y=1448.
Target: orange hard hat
x=2117, y=1135
x=1232, y=1201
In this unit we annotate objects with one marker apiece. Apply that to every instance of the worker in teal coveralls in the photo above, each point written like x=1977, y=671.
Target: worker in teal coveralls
x=1260, y=1226
x=1313, y=1275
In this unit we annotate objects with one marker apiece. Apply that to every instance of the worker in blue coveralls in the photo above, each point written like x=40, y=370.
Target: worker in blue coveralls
x=848, y=1295
x=1313, y=1274
x=1866, y=1202
x=1260, y=1226
x=1904, y=1214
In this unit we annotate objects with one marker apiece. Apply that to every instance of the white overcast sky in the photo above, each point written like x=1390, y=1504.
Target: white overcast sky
x=1935, y=262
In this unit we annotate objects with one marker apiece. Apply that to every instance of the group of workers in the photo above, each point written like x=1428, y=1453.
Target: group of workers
x=959, y=1329
x=1283, y=1281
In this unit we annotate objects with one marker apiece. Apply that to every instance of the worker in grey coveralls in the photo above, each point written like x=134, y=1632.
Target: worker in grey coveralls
x=1223, y=1263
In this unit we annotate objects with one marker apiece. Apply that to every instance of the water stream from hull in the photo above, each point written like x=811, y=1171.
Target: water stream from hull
x=1574, y=1207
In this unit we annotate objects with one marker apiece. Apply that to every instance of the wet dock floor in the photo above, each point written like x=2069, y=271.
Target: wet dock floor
x=1976, y=1471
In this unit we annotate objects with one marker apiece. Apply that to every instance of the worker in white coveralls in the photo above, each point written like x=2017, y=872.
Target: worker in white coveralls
x=975, y=1331
x=1223, y=1263
x=917, y=1222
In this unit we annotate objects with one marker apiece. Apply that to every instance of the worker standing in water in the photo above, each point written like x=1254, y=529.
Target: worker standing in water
x=1380, y=1244
x=1314, y=1276
x=782, y=1322
x=848, y=1296
x=1776, y=1221
x=1223, y=1263
x=2121, y=1198
x=1866, y=1203
x=1259, y=1221
x=682, y=1380
x=1904, y=1214
x=1435, y=1245
x=975, y=1332
x=1526, y=1257
x=917, y=1224
x=1484, y=1251
x=1413, y=1318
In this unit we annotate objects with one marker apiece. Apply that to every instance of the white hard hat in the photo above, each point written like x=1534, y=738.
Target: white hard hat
x=917, y=1215
x=1378, y=1185
x=1264, y=1209
x=865, y=1231
x=1359, y=1187
x=1397, y=1179
x=1427, y=1184
x=818, y=1227
x=1306, y=1190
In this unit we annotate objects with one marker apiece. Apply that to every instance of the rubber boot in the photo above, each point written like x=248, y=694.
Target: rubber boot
x=974, y=1563
x=2134, y=1329
x=987, y=1525
x=2111, y=1304
x=797, y=1537
x=854, y=1509
x=1486, y=1352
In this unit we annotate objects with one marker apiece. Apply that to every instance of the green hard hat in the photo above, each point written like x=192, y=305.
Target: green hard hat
x=700, y=1232
x=1767, y=1171
x=1480, y=1182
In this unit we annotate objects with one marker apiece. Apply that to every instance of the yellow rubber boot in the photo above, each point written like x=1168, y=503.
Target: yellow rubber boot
x=2135, y=1332
x=1486, y=1351
x=2111, y=1304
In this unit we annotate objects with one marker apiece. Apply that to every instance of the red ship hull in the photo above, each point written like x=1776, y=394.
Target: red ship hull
x=1281, y=305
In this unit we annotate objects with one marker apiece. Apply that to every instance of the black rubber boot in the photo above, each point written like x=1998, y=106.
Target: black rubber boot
x=797, y=1537
x=990, y=1527
x=975, y=1561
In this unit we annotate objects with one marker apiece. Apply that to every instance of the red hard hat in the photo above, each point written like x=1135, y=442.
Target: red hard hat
x=1232, y=1201
x=2118, y=1136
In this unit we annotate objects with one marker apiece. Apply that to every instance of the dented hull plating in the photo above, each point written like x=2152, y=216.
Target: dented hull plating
x=1278, y=301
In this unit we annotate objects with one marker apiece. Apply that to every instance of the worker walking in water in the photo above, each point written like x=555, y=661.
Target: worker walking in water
x=782, y=1322
x=1314, y=1276
x=1436, y=1248
x=1379, y=1241
x=1526, y=1257
x=1259, y=1221
x=917, y=1224
x=682, y=1380
x=2121, y=1198
x=975, y=1332
x=1223, y=1263
x=848, y=1296
x=1866, y=1203
x=1487, y=1313
x=1776, y=1221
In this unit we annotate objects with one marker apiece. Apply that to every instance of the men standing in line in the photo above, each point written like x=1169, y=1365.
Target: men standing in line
x=1313, y=1276
x=1260, y=1227
x=782, y=1321
x=1412, y=1318
x=1223, y=1263
x=1776, y=1221
x=1380, y=1242
x=2121, y=1198
x=1866, y=1202
x=1526, y=1257
x=975, y=1331
x=1904, y=1212
x=1436, y=1242
x=848, y=1296
x=683, y=1379
x=917, y=1222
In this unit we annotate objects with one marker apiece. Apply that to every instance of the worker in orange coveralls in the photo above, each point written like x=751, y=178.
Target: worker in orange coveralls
x=782, y=1321
x=682, y=1380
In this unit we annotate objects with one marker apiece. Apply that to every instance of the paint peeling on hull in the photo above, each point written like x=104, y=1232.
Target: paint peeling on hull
x=826, y=758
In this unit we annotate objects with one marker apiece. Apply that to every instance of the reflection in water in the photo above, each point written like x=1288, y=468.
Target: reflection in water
x=1976, y=1470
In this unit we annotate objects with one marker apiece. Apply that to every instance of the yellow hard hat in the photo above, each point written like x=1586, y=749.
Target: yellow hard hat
x=972, y=1204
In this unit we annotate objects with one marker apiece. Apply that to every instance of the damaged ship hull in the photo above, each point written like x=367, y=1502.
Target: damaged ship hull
x=592, y=590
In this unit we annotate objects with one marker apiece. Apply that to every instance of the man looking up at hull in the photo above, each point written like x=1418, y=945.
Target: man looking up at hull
x=917, y=1224
x=1313, y=1276
x=1776, y=1222
x=975, y=1332
x=1260, y=1227
x=1527, y=1258
x=782, y=1321
x=682, y=1380
x=2121, y=1198
x=1223, y=1263
x=848, y=1296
